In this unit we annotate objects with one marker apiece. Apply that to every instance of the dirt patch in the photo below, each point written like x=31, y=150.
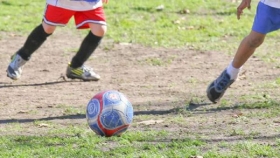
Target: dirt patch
x=158, y=81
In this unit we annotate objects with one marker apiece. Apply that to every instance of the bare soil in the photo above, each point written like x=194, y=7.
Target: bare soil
x=158, y=81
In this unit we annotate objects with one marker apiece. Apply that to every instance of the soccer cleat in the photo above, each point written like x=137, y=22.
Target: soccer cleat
x=218, y=87
x=84, y=73
x=14, y=69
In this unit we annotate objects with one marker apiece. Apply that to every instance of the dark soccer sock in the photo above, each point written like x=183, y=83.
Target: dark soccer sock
x=88, y=46
x=36, y=38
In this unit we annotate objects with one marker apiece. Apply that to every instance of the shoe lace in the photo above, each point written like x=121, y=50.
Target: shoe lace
x=224, y=82
x=86, y=68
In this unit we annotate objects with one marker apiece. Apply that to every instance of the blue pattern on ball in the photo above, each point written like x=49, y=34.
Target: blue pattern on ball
x=111, y=119
x=109, y=113
x=93, y=108
x=111, y=98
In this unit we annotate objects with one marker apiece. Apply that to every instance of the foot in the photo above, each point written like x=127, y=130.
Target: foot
x=217, y=88
x=84, y=73
x=14, y=69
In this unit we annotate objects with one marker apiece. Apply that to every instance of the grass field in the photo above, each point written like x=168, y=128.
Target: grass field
x=196, y=25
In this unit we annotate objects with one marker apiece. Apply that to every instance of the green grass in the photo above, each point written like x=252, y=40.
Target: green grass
x=82, y=143
x=205, y=25
x=132, y=144
x=140, y=22
x=180, y=24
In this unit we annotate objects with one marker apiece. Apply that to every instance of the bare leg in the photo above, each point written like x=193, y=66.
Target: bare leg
x=97, y=29
x=247, y=47
x=49, y=29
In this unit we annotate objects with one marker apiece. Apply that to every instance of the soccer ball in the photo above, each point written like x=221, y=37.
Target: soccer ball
x=109, y=113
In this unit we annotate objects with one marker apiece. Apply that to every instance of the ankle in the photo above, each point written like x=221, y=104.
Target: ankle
x=232, y=71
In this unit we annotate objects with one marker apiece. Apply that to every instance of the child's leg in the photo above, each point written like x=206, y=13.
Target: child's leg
x=49, y=29
x=32, y=43
x=36, y=38
x=95, y=20
x=266, y=20
x=247, y=47
x=98, y=29
x=89, y=44
x=53, y=17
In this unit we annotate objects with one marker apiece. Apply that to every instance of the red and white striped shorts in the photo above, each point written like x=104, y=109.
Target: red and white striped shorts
x=60, y=16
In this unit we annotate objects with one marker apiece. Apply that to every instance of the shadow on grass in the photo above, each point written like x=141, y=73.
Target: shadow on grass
x=246, y=138
x=261, y=138
x=158, y=112
x=190, y=107
x=76, y=116
x=83, y=116
x=265, y=104
x=6, y=85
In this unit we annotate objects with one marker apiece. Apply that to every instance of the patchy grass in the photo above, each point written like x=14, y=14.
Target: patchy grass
x=192, y=24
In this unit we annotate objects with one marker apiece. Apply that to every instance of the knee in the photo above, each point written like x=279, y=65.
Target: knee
x=103, y=30
x=49, y=29
x=99, y=30
x=255, y=41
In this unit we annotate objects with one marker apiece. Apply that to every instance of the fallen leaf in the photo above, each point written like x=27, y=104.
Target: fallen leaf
x=150, y=122
x=238, y=114
x=43, y=125
x=23, y=111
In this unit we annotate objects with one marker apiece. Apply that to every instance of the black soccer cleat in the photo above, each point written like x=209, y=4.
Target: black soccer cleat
x=218, y=87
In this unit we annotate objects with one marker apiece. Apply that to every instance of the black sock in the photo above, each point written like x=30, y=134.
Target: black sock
x=36, y=38
x=88, y=46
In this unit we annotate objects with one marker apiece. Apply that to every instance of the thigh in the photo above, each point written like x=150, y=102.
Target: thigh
x=83, y=18
x=57, y=16
x=267, y=19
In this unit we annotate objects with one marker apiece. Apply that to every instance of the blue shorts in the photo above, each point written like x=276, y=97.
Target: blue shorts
x=267, y=19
